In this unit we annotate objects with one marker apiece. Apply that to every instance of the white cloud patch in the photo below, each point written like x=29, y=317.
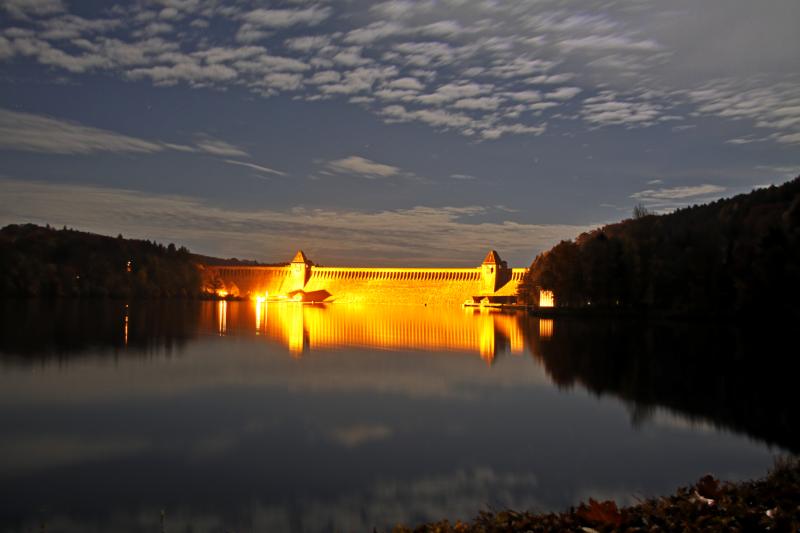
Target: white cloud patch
x=564, y=93
x=436, y=117
x=218, y=147
x=486, y=103
x=678, y=193
x=610, y=42
x=360, y=166
x=284, y=18
x=609, y=109
x=307, y=43
x=37, y=133
x=408, y=83
x=259, y=168
x=769, y=107
x=23, y=9
x=186, y=71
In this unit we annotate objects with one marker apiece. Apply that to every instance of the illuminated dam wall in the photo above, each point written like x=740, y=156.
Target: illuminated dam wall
x=304, y=281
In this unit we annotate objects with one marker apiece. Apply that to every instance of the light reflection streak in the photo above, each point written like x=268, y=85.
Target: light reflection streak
x=303, y=328
x=259, y=308
x=546, y=328
x=125, y=328
x=222, y=317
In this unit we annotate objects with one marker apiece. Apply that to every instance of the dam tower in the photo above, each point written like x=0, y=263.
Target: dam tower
x=300, y=271
x=494, y=273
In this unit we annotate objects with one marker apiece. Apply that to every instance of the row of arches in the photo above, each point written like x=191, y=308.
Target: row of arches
x=244, y=272
x=399, y=275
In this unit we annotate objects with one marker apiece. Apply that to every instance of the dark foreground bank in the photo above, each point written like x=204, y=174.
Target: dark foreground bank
x=769, y=504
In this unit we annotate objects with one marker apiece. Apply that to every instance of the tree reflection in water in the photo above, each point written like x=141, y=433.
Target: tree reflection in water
x=736, y=376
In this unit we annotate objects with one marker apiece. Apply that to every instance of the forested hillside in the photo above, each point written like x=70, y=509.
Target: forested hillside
x=43, y=261
x=731, y=256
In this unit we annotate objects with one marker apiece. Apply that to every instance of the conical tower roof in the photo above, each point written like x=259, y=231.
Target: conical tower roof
x=300, y=257
x=492, y=258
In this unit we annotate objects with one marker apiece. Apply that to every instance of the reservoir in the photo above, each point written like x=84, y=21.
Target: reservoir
x=251, y=416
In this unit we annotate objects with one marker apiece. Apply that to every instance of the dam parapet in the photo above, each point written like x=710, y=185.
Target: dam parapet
x=302, y=280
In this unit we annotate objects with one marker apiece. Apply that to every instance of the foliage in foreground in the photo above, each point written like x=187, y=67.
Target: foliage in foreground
x=769, y=504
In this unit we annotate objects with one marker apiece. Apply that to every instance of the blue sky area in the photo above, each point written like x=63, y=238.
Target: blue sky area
x=388, y=133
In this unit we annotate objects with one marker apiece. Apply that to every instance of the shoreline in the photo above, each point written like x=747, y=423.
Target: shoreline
x=771, y=503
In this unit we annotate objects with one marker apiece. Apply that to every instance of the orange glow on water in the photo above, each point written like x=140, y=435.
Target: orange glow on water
x=487, y=337
x=546, y=328
x=305, y=328
x=125, y=331
x=546, y=299
x=295, y=329
x=260, y=307
x=222, y=317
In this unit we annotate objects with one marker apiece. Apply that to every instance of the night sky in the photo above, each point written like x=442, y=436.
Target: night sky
x=394, y=133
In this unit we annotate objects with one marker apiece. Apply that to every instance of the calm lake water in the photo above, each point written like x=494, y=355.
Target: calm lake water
x=237, y=416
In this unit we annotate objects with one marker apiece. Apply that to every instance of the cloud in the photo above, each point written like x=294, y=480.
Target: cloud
x=783, y=170
x=408, y=83
x=678, y=193
x=37, y=133
x=73, y=27
x=486, y=103
x=358, y=80
x=373, y=32
x=351, y=57
x=217, y=147
x=307, y=43
x=604, y=43
x=495, y=132
x=608, y=109
x=283, y=81
x=454, y=91
x=255, y=167
x=187, y=70
x=284, y=18
x=524, y=96
x=362, y=167
x=325, y=76
x=437, y=118
x=23, y=9
x=418, y=235
x=564, y=93
x=769, y=106
x=621, y=67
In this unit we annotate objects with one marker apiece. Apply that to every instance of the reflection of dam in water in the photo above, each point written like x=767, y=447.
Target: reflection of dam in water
x=303, y=280
x=303, y=327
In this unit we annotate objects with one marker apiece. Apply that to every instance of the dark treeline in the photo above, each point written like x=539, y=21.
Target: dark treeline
x=731, y=256
x=40, y=261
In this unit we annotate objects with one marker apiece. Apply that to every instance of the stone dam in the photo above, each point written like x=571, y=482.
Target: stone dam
x=301, y=280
